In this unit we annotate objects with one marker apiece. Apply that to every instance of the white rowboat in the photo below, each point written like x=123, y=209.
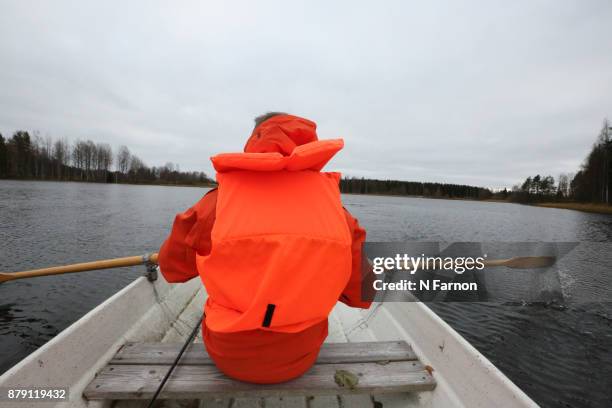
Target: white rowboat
x=146, y=312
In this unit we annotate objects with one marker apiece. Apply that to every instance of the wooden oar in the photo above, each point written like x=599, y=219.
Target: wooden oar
x=519, y=262
x=523, y=262
x=81, y=267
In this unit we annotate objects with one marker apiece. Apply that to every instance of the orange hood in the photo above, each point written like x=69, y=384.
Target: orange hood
x=282, y=134
x=283, y=142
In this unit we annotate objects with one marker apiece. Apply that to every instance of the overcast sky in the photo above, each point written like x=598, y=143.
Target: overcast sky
x=484, y=93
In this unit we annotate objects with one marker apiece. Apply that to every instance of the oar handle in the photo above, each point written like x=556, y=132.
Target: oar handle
x=81, y=267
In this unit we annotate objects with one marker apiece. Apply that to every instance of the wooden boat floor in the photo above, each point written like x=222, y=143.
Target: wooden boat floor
x=389, y=373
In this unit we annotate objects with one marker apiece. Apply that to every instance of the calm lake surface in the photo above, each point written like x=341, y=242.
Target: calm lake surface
x=560, y=358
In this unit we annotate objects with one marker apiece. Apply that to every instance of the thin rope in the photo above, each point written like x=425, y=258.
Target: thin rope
x=178, y=357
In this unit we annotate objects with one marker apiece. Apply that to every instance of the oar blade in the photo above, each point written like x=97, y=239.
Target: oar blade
x=530, y=262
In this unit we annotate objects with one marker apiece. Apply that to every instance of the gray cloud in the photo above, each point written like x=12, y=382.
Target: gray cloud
x=483, y=93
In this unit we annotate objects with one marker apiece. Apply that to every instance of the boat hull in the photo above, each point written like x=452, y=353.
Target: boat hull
x=158, y=311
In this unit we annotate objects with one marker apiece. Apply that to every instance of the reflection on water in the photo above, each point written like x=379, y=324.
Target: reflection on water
x=559, y=357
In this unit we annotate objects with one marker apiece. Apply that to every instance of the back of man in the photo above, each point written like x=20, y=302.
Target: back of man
x=275, y=250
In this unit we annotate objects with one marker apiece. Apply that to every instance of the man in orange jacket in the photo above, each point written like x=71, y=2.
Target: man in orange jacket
x=274, y=248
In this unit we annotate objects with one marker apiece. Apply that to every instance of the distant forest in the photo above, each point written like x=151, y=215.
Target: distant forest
x=591, y=184
x=413, y=188
x=24, y=156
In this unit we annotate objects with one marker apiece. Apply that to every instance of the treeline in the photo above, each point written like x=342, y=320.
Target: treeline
x=591, y=184
x=593, y=181
x=412, y=188
x=32, y=157
x=538, y=189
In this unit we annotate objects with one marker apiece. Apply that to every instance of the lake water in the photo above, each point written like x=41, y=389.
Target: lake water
x=560, y=358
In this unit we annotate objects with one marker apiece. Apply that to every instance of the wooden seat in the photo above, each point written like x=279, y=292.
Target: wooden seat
x=138, y=368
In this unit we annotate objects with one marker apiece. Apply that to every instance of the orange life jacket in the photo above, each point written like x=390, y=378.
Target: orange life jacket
x=281, y=248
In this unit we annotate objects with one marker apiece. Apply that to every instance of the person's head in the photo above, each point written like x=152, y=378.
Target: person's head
x=280, y=132
x=262, y=118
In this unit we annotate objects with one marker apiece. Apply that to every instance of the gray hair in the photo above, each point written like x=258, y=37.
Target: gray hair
x=262, y=118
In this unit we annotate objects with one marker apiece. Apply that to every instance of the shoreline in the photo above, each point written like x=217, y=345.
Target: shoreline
x=419, y=196
x=594, y=208
x=203, y=185
x=584, y=207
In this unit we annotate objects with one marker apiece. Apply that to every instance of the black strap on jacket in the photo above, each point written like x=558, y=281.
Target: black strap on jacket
x=268, y=316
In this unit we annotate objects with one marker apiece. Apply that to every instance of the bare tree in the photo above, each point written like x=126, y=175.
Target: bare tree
x=136, y=164
x=61, y=156
x=25, y=156
x=103, y=160
x=90, y=158
x=38, y=154
x=123, y=159
x=79, y=157
x=563, y=185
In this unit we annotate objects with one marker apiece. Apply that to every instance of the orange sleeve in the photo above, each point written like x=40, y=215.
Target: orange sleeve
x=190, y=235
x=360, y=274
